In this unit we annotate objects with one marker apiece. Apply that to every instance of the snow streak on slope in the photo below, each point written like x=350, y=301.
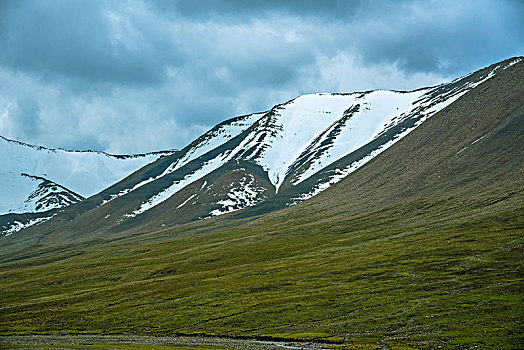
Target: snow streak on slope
x=83, y=173
x=280, y=136
x=306, y=138
x=242, y=195
x=423, y=107
x=127, y=190
x=371, y=114
x=18, y=225
x=338, y=174
x=215, y=137
x=286, y=155
x=164, y=195
x=287, y=129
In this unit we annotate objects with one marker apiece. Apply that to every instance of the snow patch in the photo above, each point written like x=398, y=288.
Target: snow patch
x=472, y=143
x=515, y=61
x=18, y=226
x=378, y=111
x=187, y=200
x=246, y=194
x=480, y=138
x=339, y=174
x=127, y=190
x=177, y=186
x=216, y=137
x=296, y=125
x=83, y=172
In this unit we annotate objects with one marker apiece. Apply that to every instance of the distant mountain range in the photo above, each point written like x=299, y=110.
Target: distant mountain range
x=263, y=161
x=36, y=181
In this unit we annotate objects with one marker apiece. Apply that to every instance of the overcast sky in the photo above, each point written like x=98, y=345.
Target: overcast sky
x=138, y=76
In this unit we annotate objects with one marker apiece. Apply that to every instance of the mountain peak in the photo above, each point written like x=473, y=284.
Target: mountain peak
x=267, y=160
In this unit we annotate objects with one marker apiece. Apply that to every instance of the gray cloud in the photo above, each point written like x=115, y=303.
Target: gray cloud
x=27, y=115
x=139, y=75
x=82, y=40
x=444, y=36
x=238, y=10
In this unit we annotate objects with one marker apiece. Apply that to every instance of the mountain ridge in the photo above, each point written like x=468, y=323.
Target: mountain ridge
x=295, y=150
x=59, y=149
x=38, y=181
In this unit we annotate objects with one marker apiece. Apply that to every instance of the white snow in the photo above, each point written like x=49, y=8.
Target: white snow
x=127, y=190
x=480, y=138
x=515, y=61
x=339, y=174
x=15, y=190
x=462, y=149
x=472, y=143
x=294, y=126
x=379, y=110
x=293, y=131
x=309, y=131
x=187, y=200
x=296, y=130
x=209, y=141
x=17, y=225
x=214, y=138
x=244, y=195
x=164, y=195
x=357, y=129
x=45, y=196
x=85, y=173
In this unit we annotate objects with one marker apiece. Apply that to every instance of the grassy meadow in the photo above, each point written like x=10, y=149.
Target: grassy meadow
x=418, y=274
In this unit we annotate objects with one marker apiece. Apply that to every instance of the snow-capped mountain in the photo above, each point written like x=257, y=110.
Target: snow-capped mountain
x=266, y=160
x=36, y=179
x=47, y=195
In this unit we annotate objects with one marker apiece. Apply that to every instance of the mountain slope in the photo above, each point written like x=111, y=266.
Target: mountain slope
x=37, y=180
x=419, y=248
x=286, y=155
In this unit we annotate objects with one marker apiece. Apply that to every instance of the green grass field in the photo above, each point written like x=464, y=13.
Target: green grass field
x=421, y=248
x=420, y=274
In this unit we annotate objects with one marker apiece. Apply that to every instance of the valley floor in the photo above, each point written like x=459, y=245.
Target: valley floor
x=130, y=342
x=411, y=279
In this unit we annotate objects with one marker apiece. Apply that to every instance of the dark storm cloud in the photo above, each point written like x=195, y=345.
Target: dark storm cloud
x=441, y=36
x=138, y=75
x=437, y=36
x=86, y=40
